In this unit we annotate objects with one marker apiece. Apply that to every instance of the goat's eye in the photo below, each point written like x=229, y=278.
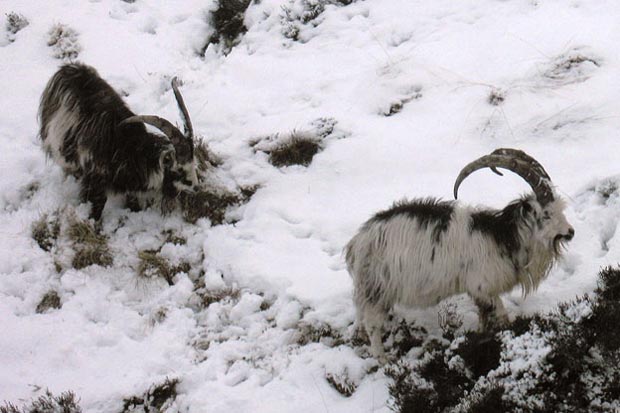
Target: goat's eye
x=168, y=161
x=546, y=216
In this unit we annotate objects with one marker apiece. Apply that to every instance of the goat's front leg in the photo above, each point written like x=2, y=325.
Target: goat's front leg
x=93, y=191
x=491, y=312
x=132, y=202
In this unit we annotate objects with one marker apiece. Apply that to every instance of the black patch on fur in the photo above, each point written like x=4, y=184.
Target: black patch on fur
x=502, y=224
x=429, y=211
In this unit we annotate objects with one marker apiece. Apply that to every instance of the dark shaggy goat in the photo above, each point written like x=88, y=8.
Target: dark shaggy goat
x=419, y=252
x=92, y=134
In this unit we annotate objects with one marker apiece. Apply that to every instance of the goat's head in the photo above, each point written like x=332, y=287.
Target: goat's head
x=543, y=212
x=176, y=159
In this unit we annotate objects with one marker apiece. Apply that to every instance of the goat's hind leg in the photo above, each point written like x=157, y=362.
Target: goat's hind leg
x=374, y=318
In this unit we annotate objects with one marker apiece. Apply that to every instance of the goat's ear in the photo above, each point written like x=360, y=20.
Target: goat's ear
x=526, y=209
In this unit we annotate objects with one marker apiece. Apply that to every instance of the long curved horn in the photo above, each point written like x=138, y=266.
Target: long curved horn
x=518, y=162
x=183, y=148
x=187, y=122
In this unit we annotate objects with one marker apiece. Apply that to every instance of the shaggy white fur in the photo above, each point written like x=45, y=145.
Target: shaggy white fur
x=403, y=259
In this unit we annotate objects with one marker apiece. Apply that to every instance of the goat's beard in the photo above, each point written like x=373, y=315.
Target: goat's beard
x=542, y=257
x=559, y=245
x=167, y=204
x=169, y=194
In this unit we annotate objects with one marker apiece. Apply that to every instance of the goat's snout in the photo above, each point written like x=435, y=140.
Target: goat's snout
x=571, y=233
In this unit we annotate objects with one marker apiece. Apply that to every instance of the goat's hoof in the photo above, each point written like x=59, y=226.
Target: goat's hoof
x=359, y=337
x=382, y=360
x=381, y=357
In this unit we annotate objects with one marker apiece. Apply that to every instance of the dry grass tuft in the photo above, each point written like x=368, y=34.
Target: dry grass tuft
x=209, y=297
x=341, y=383
x=65, y=403
x=158, y=398
x=15, y=22
x=496, y=97
x=64, y=42
x=212, y=204
x=153, y=265
x=173, y=238
x=50, y=300
x=297, y=150
x=45, y=231
x=318, y=333
x=91, y=247
x=299, y=146
x=205, y=159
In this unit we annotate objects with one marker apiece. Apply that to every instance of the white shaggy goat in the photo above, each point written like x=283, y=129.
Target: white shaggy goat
x=419, y=252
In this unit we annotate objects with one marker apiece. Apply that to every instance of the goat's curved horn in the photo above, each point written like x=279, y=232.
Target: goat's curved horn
x=183, y=149
x=187, y=122
x=518, y=162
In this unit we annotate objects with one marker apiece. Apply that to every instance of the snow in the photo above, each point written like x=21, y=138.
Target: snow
x=441, y=60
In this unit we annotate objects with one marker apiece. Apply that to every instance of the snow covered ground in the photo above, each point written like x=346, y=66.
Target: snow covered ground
x=470, y=76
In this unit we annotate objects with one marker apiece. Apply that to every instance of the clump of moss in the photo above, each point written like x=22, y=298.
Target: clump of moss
x=51, y=299
x=45, y=231
x=65, y=403
x=158, y=398
x=91, y=247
